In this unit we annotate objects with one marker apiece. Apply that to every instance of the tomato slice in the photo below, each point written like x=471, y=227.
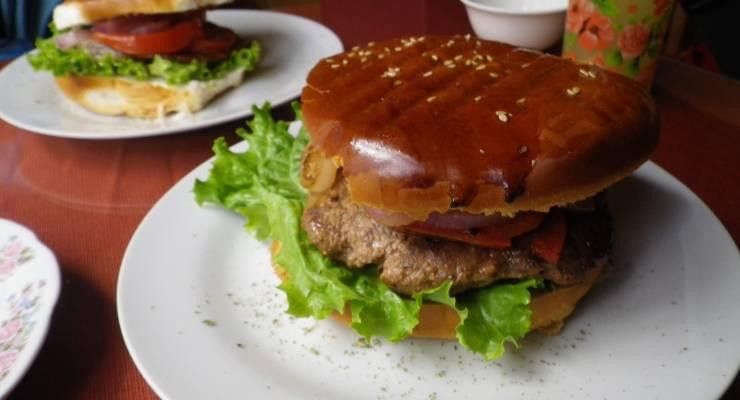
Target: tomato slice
x=215, y=39
x=496, y=236
x=145, y=23
x=549, y=240
x=167, y=41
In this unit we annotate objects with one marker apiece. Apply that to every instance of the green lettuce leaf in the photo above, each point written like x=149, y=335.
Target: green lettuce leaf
x=77, y=61
x=263, y=185
x=495, y=316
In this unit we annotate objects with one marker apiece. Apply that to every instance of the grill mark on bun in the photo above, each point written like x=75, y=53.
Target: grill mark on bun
x=448, y=91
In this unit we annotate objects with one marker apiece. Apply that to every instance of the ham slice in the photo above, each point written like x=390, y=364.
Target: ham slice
x=81, y=38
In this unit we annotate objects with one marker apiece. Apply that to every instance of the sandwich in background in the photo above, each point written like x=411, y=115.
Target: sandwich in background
x=142, y=59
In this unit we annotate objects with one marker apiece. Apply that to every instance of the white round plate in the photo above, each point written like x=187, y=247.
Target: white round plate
x=29, y=288
x=202, y=318
x=291, y=47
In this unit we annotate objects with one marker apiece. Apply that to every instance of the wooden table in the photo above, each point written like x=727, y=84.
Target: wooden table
x=85, y=198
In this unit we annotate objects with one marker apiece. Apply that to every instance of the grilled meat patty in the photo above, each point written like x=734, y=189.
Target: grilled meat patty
x=410, y=263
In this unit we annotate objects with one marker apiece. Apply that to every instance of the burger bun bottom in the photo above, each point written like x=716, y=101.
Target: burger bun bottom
x=143, y=99
x=438, y=321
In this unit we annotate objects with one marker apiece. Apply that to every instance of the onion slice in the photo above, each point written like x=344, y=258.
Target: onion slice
x=490, y=231
x=497, y=235
x=318, y=173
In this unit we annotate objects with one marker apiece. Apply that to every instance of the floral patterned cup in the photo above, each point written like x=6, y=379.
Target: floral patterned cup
x=624, y=36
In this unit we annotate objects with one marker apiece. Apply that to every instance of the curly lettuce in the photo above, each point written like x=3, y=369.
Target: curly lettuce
x=263, y=185
x=77, y=61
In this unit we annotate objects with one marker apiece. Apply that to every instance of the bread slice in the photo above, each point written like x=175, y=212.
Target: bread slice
x=73, y=13
x=143, y=99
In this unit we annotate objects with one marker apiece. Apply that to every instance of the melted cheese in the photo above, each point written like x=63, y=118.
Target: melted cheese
x=199, y=93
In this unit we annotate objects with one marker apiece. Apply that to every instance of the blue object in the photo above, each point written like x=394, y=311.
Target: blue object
x=21, y=22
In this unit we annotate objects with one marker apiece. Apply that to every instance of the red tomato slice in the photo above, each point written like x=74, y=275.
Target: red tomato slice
x=548, y=241
x=497, y=236
x=215, y=40
x=145, y=23
x=167, y=41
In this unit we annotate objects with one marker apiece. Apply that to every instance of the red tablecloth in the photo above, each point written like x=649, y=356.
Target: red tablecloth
x=85, y=198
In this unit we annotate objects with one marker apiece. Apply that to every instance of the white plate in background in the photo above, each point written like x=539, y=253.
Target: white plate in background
x=202, y=318
x=291, y=46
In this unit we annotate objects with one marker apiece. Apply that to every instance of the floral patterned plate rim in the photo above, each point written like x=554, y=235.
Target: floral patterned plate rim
x=29, y=289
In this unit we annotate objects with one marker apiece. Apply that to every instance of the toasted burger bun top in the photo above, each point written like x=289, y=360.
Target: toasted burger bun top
x=85, y=12
x=431, y=124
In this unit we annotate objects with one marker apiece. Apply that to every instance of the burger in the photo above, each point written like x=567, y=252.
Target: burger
x=440, y=187
x=142, y=58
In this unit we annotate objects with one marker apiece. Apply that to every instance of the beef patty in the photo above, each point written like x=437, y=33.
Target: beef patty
x=410, y=263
